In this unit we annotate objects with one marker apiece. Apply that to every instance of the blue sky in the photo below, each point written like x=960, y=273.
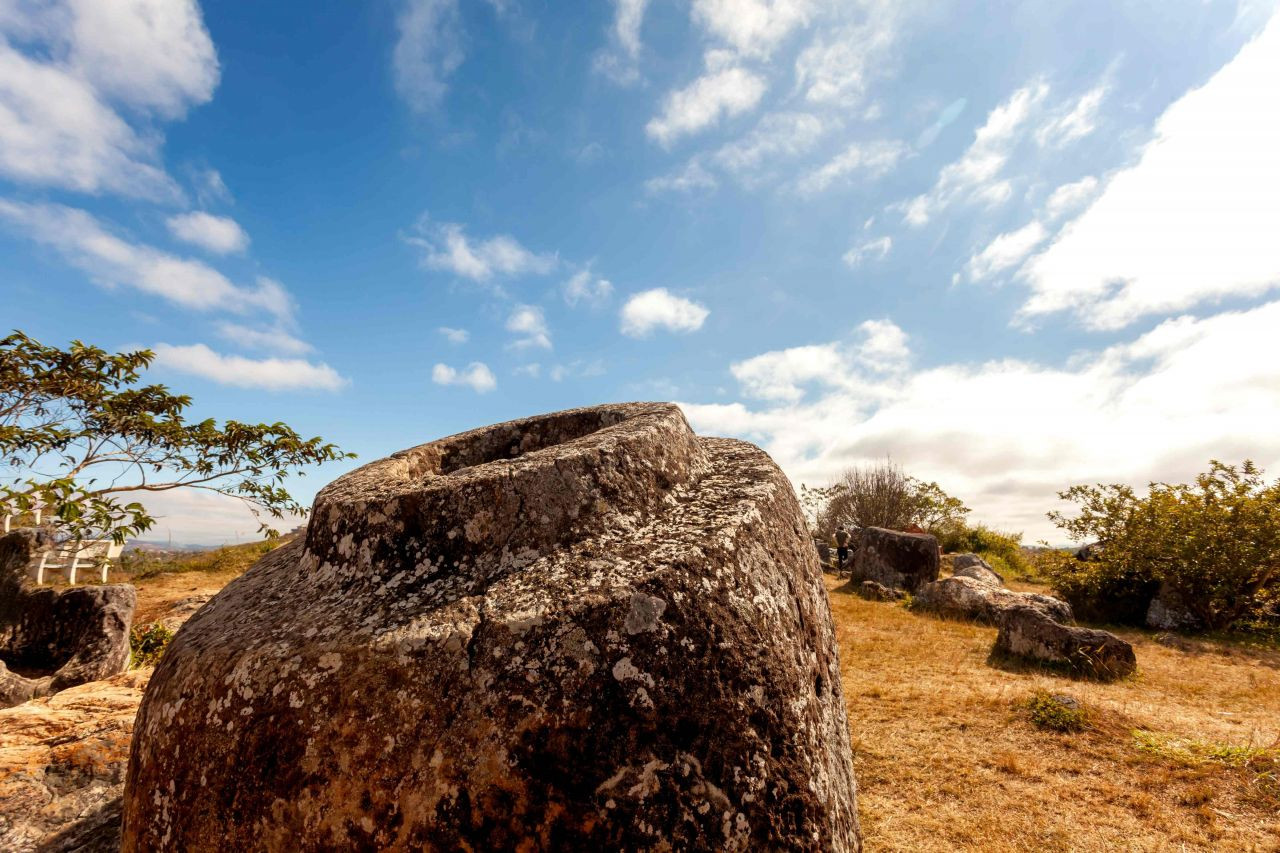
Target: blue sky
x=1013, y=246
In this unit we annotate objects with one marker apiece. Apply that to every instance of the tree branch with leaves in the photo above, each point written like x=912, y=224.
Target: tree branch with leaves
x=80, y=435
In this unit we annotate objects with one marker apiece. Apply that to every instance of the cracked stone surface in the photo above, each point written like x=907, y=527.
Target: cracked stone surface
x=587, y=630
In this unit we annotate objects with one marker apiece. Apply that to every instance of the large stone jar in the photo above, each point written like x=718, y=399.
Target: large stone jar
x=591, y=630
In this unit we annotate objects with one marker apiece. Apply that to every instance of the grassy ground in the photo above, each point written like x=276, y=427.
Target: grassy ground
x=1183, y=756
x=162, y=580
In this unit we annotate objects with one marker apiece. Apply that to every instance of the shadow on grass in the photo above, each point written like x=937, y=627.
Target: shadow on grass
x=1023, y=666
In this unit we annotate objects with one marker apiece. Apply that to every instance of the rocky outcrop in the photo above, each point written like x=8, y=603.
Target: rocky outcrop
x=182, y=610
x=62, y=766
x=1028, y=632
x=824, y=553
x=968, y=598
x=973, y=566
x=587, y=630
x=1166, y=612
x=51, y=640
x=872, y=591
x=904, y=561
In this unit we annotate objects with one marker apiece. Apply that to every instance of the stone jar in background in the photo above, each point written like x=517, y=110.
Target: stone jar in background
x=49, y=639
x=590, y=630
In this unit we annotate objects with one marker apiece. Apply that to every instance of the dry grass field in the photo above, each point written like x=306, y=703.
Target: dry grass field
x=1185, y=755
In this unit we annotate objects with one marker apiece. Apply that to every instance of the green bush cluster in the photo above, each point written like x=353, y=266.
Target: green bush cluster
x=148, y=643
x=1056, y=712
x=1002, y=551
x=1214, y=544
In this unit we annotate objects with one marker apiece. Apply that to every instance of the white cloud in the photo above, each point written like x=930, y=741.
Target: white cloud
x=1069, y=197
x=836, y=66
x=628, y=16
x=872, y=159
x=55, y=132
x=528, y=322
x=454, y=336
x=1005, y=251
x=752, y=27
x=112, y=261
x=1154, y=408
x=445, y=246
x=476, y=376
x=583, y=286
x=779, y=375
x=693, y=176
x=661, y=309
x=59, y=125
x=533, y=371
x=1195, y=220
x=1076, y=122
x=620, y=62
x=197, y=517
x=777, y=136
x=428, y=50
x=975, y=176
x=878, y=346
x=273, y=339
x=876, y=249
x=219, y=234
x=718, y=94
x=883, y=346
x=209, y=187
x=272, y=374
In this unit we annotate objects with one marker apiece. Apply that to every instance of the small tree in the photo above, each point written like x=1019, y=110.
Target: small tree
x=79, y=434
x=882, y=495
x=1215, y=543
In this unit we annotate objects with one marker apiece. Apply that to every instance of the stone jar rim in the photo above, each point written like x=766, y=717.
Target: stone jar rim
x=532, y=484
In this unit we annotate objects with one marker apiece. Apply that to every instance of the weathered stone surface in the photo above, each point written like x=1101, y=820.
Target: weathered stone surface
x=1027, y=632
x=51, y=640
x=62, y=766
x=1167, y=612
x=177, y=615
x=973, y=566
x=969, y=598
x=899, y=560
x=588, y=630
x=824, y=553
x=873, y=591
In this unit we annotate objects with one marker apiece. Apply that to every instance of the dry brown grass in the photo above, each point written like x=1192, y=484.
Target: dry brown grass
x=1176, y=758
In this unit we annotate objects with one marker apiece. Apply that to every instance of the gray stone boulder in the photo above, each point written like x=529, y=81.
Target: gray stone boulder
x=824, y=553
x=1028, y=632
x=52, y=640
x=973, y=566
x=968, y=598
x=904, y=561
x=873, y=591
x=1166, y=612
x=591, y=630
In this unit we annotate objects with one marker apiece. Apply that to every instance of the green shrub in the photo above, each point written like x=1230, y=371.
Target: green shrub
x=1003, y=551
x=1098, y=592
x=148, y=643
x=1056, y=712
x=1215, y=543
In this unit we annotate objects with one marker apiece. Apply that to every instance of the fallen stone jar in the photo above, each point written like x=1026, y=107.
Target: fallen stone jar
x=51, y=640
x=590, y=630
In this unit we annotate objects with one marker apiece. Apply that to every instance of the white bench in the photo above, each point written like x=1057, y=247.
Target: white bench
x=31, y=519
x=72, y=555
